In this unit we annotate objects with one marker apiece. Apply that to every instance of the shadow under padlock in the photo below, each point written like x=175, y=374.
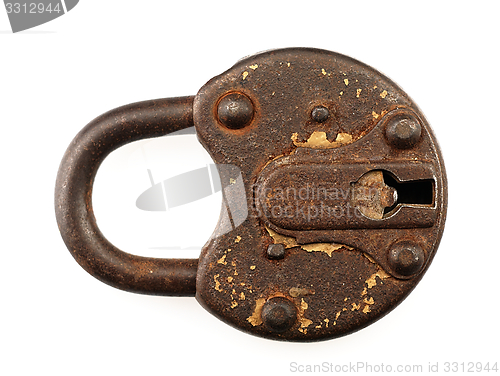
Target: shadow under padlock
x=195, y=185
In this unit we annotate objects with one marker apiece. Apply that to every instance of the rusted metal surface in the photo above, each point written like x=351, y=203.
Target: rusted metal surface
x=334, y=187
x=320, y=196
x=326, y=132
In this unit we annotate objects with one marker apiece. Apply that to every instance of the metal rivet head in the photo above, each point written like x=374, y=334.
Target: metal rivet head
x=406, y=258
x=320, y=114
x=235, y=111
x=276, y=251
x=279, y=314
x=403, y=132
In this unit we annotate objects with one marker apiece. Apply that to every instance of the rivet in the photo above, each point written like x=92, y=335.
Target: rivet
x=276, y=251
x=320, y=114
x=403, y=131
x=235, y=110
x=406, y=258
x=279, y=314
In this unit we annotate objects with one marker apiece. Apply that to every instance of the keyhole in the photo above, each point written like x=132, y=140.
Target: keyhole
x=414, y=192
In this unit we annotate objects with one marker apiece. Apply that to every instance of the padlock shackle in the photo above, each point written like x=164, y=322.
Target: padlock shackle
x=73, y=199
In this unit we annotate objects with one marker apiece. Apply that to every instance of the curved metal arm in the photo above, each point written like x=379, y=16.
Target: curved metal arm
x=73, y=199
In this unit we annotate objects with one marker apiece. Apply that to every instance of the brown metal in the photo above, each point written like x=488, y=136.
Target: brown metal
x=235, y=111
x=321, y=122
x=334, y=189
x=296, y=194
x=73, y=199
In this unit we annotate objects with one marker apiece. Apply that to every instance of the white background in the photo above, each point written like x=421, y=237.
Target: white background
x=55, y=319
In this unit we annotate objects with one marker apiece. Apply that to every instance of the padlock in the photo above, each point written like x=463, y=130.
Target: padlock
x=334, y=194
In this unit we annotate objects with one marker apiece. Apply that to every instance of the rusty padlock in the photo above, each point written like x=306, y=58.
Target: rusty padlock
x=341, y=205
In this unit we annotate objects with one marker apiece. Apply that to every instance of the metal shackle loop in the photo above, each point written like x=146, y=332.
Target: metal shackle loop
x=73, y=199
